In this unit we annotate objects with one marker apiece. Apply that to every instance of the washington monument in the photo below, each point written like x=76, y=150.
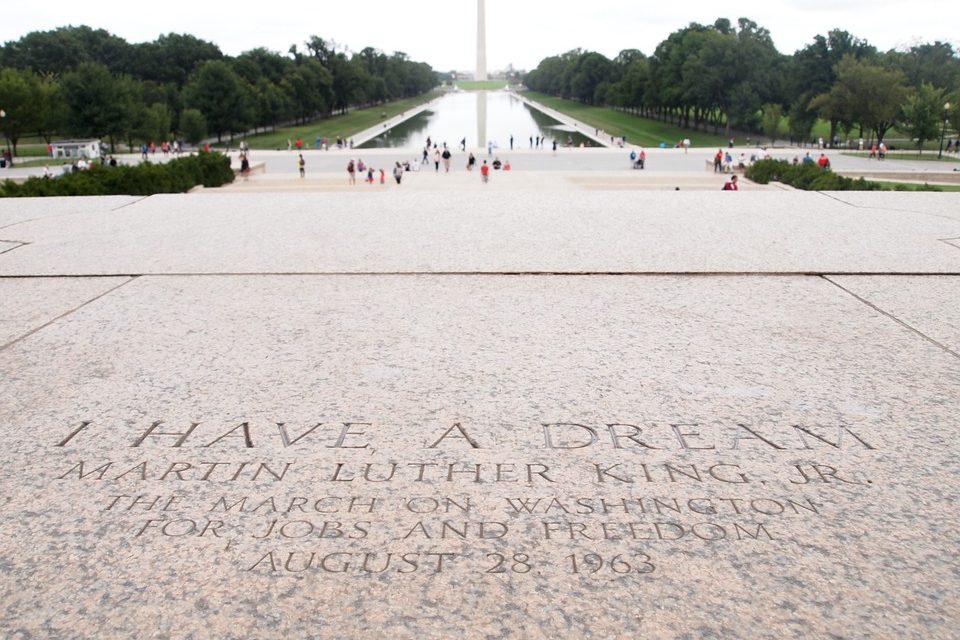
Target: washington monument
x=481, y=41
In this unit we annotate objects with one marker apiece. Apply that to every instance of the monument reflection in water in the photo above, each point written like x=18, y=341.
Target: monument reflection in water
x=478, y=116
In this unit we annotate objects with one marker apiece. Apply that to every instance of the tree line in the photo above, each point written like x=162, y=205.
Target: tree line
x=708, y=77
x=82, y=82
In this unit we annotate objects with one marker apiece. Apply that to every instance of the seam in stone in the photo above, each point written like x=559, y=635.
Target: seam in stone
x=571, y=274
x=129, y=204
x=15, y=242
x=857, y=206
x=951, y=241
x=13, y=224
x=4, y=347
x=903, y=324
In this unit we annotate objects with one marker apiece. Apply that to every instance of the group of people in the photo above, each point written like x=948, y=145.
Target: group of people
x=823, y=161
x=723, y=161
x=166, y=148
x=367, y=171
x=320, y=143
x=445, y=157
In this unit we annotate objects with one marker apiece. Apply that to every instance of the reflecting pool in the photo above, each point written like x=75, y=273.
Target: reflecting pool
x=480, y=117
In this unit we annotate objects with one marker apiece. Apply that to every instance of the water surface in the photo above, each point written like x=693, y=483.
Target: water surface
x=480, y=117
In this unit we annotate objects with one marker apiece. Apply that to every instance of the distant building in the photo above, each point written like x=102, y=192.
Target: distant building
x=71, y=149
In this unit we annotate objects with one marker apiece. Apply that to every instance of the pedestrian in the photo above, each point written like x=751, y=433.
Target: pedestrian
x=360, y=166
x=824, y=161
x=352, y=172
x=302, y=164
x=463, y=144
x=511, y=142
x=317, y=141
x=436, y=160
x=489, y=147
x=538, y=142
x=554, y=145
x=485, y=172
x=398, y=172
x=471, y=160
x=718, y=161
x=299, y=144
x=383, y=177
x=531, y=142
x=731, y=185
x=446, y=155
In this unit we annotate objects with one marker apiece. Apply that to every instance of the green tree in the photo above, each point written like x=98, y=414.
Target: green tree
x=310, y=89
x=923, y=114
x=936, y=64
x=100, y=104
x=153, y=123
x=65, y=49
x=812, y=71
x=16, y=99
x=864, y=93
x=219, y=93
x=272, y=104
x=772, y=116
x=49, y=106
x=193, y=126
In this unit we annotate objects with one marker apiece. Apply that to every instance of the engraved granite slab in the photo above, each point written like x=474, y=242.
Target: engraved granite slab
x=30, y=303
x=479, y=456
x=570, y=231
x=932, y=203
x=930, y=305
x=16, y=210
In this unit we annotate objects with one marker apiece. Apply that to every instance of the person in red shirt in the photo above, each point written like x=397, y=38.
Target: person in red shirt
x=824, y=162
x=731, y=185
x=485, y=172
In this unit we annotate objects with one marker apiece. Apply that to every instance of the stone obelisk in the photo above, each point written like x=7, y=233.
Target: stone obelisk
x=481, y=41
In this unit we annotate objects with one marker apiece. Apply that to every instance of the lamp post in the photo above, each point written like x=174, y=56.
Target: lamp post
x=943, y=129
x=3, y=114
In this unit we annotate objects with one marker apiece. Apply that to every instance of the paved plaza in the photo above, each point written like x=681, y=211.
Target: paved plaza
x=571, y=403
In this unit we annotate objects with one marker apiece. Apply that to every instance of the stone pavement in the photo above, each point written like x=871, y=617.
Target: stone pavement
x=542, y=409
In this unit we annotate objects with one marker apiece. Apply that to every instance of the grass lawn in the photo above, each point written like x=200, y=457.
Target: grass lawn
x=30, y=150
x=638, y=130
x=912, y=186
x=342, y=126
x=19, y=163
x=480, y=85
x=906, y=155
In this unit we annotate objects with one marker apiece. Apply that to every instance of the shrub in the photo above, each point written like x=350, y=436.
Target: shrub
x=808, y=177
x=176, y=176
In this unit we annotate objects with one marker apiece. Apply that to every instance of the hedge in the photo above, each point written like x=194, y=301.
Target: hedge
x=808, y=177
x=176, y=176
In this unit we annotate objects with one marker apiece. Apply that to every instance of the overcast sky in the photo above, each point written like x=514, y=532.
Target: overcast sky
x=522, y=32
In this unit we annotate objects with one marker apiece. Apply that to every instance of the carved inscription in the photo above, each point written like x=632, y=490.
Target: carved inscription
x=335, y=498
